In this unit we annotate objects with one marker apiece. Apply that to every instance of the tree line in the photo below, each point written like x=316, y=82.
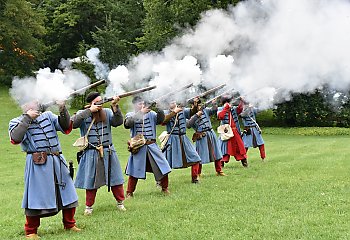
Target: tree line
x=39, y=33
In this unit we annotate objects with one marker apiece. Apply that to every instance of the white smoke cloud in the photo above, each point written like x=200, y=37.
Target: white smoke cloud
x=101, y=69
x=175, y=74
x=117, y=78
x=279, y=47
x=47, y=86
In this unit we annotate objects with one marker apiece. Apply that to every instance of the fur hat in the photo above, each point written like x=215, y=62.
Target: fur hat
x=91, y=96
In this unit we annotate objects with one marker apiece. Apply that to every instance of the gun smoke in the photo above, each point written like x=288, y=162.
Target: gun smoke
x=264, y=49
x=47, y=86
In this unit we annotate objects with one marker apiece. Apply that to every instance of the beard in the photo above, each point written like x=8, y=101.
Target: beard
x=100, y=116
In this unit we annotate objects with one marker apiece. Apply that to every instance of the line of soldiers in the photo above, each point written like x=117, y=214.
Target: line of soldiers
x=49, y=187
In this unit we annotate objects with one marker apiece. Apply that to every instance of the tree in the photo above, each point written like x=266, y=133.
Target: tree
x=116, y=39
x=305, y=110
x=166, y=19
x=21, y=47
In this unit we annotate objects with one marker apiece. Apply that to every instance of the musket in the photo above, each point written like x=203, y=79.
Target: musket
x=44, y=106
x=163, y=97
x=126, y=94
x=206, y=93
x=215, y=98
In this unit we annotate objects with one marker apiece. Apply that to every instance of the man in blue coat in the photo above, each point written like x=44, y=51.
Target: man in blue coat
x=252, y=133
x=48, y=187
x=99, y=164
x=149, y=158
x=179, y=151
x=207, y=145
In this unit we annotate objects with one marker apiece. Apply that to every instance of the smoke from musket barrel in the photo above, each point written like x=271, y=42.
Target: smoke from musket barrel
x=48, y=86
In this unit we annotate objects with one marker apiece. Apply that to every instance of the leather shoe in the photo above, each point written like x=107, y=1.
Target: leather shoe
x=221, y=173
x=74, y=229
x=32, y=236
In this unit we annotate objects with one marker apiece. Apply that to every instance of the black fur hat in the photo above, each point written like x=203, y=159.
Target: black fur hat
x=137, y=99
x=225, y=99
x=91, y=96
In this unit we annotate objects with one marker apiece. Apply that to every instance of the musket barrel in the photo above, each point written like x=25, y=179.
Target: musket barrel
x=130, y=93
x=207, y=92
x=173, y=92
x=137, y=91
x=98, y=83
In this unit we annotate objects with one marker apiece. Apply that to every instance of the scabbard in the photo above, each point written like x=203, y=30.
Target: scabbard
x=109, y=170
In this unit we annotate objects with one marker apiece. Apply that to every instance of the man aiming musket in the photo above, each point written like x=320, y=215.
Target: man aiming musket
x=228, y=115
x=99, y=164
x=178, y=150
x=205, y=138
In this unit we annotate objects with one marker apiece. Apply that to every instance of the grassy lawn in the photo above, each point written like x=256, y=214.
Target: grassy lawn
x=302, y=191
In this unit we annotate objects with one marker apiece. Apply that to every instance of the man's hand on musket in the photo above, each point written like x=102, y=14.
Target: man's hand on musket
x=177, y=109
x=33, y=114
x=145, y=109
x=95, y=108
x=115, y=103
x=115, y=100
x=195, y=101
x=199, y=113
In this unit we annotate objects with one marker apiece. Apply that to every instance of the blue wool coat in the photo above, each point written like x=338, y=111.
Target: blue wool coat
x=39, y=180
x=100, y=132
x=252, y=134
x=136, y=166
x=179, y=144
x=210, y=140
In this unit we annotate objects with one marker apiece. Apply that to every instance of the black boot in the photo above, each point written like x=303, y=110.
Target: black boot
x=244, y=163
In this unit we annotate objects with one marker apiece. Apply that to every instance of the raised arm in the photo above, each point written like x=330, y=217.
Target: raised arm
x=222, y=113
x=79, y=117
x=193, y=119
x=117, y=118
x=168, y=117
x=18, y=130
x=64, y=118
x=160, y=116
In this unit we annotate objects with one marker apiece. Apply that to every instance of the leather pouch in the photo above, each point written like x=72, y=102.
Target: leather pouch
x=39, y=158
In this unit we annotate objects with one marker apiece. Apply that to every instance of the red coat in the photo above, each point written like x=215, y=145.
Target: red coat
x=235, y=145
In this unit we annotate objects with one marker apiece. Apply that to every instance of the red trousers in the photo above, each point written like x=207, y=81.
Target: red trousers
x=195, y=170
x=118, y=193
x=262, y=151
x=32, y=223
x=132, y=182
x=217, y=165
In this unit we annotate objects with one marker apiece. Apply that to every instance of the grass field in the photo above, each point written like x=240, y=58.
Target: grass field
x=302, y=191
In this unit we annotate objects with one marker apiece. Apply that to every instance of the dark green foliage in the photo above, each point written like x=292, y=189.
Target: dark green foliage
x=166, y=19
x=312, y=110
x=21, y=47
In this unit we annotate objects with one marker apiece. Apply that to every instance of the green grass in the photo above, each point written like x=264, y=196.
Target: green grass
x=302, y=191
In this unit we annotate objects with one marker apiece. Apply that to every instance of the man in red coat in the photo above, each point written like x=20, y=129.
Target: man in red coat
x=234, y=146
